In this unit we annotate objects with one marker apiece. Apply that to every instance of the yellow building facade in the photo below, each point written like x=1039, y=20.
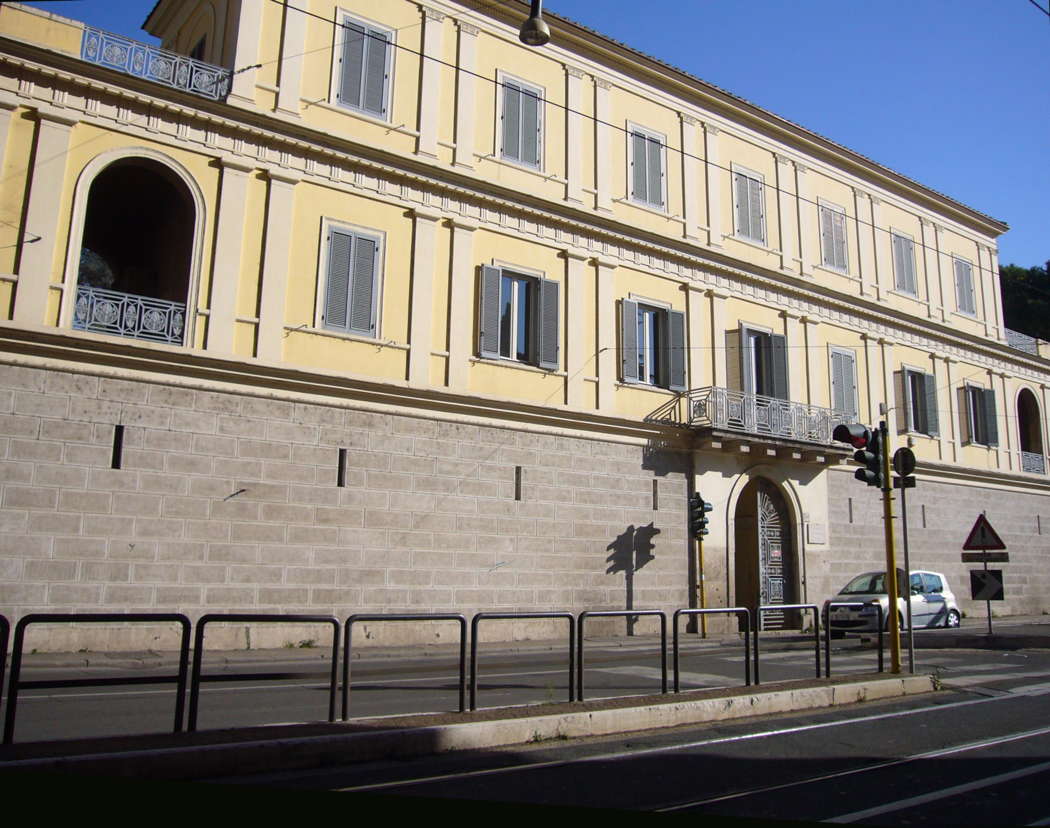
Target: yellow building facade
x=368, y=307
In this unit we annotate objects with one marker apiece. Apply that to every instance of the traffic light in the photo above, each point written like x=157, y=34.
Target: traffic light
x=868, y=445
x=698, y=509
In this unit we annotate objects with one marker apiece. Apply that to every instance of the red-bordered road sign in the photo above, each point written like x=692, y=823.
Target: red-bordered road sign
x=983, y=536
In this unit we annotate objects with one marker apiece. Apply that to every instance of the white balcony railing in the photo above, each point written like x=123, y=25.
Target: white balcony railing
x=145, y=61
x=125, y=314
x=728, y=410
x=1022, y=342
x=1033, y=463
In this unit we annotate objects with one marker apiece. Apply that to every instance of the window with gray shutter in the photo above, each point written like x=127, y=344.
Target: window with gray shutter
x=903, y=263
x=833, y=238
x=920, y=402
x=964, y=297
x=519, y=317
x=749, y=206
x=647, y=167
x=763, y=367
x=547, y=325
x=982, y=423
x=364, y=67
x=653, y=340
x=843, y=383
x=522, y=122
x=351, y=280
x=676, y=356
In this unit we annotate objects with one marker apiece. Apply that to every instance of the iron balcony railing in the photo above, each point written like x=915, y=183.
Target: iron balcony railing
x=145, y=61
x=125, y=314
x=1033, y=463
x=729, y=410
x=1022, y=342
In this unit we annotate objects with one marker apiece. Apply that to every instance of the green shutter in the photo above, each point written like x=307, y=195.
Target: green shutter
x=778, y=362
x=629, y=340
x=991, y=418
x=932, y=419
x=676, y=361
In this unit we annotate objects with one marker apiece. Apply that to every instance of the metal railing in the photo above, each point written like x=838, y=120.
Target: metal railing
x=827, y=629
x=244, y=618
x=781, y=607
x=125, y=314
x=1032, y=462
x=449, y=616
x=739, y=611
x=5, y=633
x=729, y=410
x=1022, y=342
x=583, y=616
x=144, y=60
x=506, y=616
x=16, y=684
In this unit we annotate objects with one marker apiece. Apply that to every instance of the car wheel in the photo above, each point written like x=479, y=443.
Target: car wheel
x=953, y=619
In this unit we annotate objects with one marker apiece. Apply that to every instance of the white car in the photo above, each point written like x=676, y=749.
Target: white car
x=932, y=602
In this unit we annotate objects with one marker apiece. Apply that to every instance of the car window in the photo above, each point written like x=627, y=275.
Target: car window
x=866, y=584
x=916, y=583
x=933, y=582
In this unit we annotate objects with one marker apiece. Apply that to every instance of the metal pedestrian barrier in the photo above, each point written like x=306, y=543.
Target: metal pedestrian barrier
x=506, y=616
x=353, y=619
x=5, y=633
x=738, y=611
x=583, y=616
x=16, y=684
x=242, y=618
x=780, y=608
x=827, y=630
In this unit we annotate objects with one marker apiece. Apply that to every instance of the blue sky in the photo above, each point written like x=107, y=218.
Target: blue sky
x=952, y=93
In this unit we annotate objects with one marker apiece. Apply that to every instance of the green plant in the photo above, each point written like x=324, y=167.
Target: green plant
x=307, y=643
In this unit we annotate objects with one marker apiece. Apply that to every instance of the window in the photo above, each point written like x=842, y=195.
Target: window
x=197, y=52
x=844, y=382
x=519, y=317
x=903, y=262
x=981, y=425
x=653, y=340
x=919, y=402
x=763, y=368
x=646, y=152
x=522, y=123
x=351, y=281
x=749, y=199
x=363, y=67
x=964, y=300
x=833, y=237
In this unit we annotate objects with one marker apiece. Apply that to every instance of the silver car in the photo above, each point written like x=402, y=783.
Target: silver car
x=932, y=602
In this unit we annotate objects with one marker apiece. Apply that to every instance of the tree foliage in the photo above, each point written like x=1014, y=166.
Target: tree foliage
x=1026, y=299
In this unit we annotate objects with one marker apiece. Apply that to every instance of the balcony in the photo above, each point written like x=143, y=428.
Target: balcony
x=1033, y=463
x=125, y=314
x=145, y=61
x=1022, y=342
x=735, y=418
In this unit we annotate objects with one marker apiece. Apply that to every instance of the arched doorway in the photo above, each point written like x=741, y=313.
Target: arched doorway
x=1030, y=433
x=136, y=251
x=765, y=560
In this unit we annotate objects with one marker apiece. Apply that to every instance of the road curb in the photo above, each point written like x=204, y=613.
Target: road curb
x=383, y=742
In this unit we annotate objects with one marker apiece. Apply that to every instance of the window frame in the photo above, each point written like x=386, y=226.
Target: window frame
x=751, y=176
x=666, y=366
x=968, y=265
x=773, y=349
x=523, y=86
x=836, y=212
x=649, y=135
x=543, y=291
x=913, y=291
x=321, y=322
x=338, y=53
x=981, y=409
x=914, y=411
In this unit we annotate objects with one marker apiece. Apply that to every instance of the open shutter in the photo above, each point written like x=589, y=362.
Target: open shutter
x=778, y=363
x=991, y=420
x=511, y=121
x=377, y=47
x=488, y=340
x=654, y=167
x=676, y=362
x=547, y=350
x=362, y=286
x=337, y=284
x=353, y=62
x=629, y=340
x=747, y=360
x=901, y=386
x=530, y=127
x=932, y=420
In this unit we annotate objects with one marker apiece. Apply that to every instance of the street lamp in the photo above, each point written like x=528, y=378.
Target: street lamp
x=534, y=31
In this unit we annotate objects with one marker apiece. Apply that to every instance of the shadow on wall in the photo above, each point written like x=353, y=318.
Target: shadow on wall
x=632, y=549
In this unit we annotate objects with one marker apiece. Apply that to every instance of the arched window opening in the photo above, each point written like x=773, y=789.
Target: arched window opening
x=135, y=254
x=1030, y=437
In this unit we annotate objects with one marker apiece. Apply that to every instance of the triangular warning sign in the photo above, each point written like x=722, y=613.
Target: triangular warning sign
x=983, y=536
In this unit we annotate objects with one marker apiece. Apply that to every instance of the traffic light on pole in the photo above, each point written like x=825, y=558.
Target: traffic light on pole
x=698, y=509
x=868, y=445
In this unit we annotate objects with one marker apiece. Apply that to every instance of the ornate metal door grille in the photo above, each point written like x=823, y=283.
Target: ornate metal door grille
x=772, y=574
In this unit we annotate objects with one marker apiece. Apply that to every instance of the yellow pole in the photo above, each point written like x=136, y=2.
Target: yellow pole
x=891, y=558
x=700, y=584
